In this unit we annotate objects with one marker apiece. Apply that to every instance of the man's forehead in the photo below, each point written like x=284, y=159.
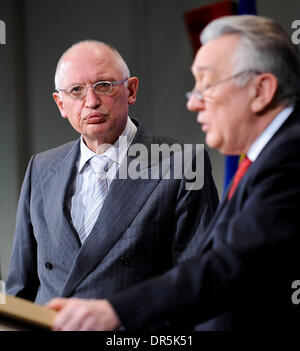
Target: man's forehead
x=87, y=70
x=80, y=56
x=87, y=49
x=204, y=61
x=199, y=69
x=215, y=55
x=202, y=68
x=88, y=54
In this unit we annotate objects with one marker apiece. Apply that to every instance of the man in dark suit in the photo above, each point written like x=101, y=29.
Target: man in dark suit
x=247, y=84
x=91, y=221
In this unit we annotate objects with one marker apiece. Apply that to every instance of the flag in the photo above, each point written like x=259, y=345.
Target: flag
x=245, y=7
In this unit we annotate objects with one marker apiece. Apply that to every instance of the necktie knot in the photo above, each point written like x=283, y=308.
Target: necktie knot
x=99, y=164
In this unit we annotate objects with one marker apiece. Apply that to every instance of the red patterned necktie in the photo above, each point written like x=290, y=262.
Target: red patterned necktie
x=242, y=169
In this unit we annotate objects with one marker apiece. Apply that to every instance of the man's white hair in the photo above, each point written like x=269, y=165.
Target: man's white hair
x=264, y=47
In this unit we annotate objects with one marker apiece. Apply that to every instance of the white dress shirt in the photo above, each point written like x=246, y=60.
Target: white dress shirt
x=256, y=148
x=84, y=182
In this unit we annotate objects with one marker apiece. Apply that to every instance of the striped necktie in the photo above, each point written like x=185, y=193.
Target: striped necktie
x=242, y=169
x=99, y=165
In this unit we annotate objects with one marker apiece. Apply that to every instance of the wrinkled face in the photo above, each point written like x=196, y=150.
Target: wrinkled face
x=98, y=118
x=224, y=112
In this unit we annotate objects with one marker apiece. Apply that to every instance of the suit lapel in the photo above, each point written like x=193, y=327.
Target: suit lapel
x=119, y=209
x=55, y=184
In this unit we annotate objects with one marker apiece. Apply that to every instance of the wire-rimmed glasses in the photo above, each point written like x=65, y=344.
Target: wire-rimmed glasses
x=102, y=87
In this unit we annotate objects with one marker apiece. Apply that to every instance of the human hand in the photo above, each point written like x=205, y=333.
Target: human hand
x=82, y=314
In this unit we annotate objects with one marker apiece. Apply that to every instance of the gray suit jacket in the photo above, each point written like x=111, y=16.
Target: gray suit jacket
x=144, y=228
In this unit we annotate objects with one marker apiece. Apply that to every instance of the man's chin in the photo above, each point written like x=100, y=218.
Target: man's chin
x=213, y=143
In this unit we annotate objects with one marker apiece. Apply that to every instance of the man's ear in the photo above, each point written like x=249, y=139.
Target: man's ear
x=133, y=84
x=60, y=104
x=265, y=86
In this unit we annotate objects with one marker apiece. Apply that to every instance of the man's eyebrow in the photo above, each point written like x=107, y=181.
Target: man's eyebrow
x=199, y=68
x=107, y=78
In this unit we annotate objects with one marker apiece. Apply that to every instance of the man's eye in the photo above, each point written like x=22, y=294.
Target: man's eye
x=103, y=87
x=77, y=89
x=104, y=84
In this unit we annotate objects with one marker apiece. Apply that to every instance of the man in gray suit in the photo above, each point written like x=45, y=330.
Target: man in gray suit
x=85, y=231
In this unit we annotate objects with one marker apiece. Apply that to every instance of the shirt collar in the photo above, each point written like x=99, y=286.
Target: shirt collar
x=115, y=153
x=256, y=148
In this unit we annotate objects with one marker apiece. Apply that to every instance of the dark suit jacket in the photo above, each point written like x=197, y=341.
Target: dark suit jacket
x=144, y=228
x=247, y=260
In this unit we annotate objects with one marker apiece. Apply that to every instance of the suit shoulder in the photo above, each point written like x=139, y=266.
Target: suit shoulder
x=49, y=156
x=155, y=139
x=159, y=139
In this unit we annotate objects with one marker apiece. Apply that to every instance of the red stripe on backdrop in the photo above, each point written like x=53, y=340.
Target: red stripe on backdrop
x=195, y=20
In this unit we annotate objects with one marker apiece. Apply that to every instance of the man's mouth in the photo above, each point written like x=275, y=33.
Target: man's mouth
x=94, y=118
x=204, y=126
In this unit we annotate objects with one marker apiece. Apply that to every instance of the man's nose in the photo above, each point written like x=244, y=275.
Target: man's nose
x=92, y=100
x=194, y=103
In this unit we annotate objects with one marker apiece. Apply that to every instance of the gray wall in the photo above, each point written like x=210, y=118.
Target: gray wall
x=151, y=36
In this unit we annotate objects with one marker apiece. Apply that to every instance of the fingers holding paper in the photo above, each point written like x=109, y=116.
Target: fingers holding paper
x=82, y=315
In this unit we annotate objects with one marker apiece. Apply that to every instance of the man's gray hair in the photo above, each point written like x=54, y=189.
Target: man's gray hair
x=97, y=44
x=264, y=47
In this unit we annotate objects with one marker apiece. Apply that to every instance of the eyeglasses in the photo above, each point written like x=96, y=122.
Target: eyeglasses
x=199, y=94
x=100, y=88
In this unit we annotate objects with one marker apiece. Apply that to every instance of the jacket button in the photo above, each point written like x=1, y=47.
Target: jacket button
x=125, y=260
x=49, y=265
